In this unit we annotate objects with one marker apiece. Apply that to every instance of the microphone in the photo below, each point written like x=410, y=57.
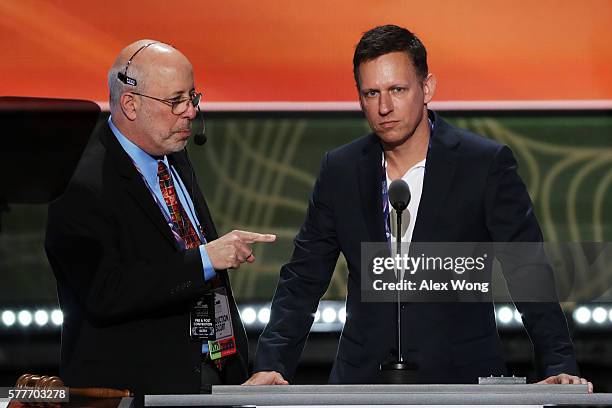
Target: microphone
x=399, y=195
x=399, y=371
x=199, y=129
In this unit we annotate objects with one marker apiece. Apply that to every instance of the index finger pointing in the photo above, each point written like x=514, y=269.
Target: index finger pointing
x=251, y=237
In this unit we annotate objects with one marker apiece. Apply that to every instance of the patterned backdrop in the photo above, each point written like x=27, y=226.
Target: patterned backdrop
x=257, y=171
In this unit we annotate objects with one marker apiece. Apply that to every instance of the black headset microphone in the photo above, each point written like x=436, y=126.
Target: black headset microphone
x=199, y=138
x=199, y=134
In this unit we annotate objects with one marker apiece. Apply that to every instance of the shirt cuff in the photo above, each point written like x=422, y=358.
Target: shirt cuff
x=209, y=271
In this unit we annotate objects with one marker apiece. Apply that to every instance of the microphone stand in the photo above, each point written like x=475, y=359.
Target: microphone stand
x=398, y=242
x=399, y=372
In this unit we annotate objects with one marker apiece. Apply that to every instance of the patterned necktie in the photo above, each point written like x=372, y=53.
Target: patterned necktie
x=180, y=219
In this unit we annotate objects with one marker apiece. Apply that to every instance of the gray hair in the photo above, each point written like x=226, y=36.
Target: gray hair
x=117, y=88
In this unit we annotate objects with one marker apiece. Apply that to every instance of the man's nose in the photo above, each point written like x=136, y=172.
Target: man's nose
x=385, y=103
x=191, y=111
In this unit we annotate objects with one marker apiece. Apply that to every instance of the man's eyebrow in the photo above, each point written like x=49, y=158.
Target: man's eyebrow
x=178, y=94
x=175, y=95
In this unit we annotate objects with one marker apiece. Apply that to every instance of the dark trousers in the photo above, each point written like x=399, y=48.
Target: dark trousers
x=210, y=375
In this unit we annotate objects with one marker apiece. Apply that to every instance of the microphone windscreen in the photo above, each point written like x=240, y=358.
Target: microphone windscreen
x=199, y=139
x=399, y=195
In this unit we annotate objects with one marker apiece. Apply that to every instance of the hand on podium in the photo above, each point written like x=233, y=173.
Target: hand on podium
x=566, y=379
x=266, y=378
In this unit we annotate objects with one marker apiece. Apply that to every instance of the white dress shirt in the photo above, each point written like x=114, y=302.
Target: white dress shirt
x=414, y=177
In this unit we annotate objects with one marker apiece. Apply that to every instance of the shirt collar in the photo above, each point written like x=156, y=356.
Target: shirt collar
x=144, y=162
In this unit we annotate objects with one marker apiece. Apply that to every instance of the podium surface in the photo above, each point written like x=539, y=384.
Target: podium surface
x=524, y=395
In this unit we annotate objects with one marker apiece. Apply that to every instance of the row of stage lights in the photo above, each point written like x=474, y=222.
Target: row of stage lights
x=26, y=318
x=330, y=316
x=583, y=316
x=595, y=316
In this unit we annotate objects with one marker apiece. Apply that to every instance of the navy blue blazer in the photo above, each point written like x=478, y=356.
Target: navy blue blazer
x=471, y=193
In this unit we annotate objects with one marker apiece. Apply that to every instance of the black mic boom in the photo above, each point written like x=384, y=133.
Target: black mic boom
x=199, y=129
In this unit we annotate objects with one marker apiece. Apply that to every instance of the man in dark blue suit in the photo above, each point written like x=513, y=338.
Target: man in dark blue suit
x=465, y=188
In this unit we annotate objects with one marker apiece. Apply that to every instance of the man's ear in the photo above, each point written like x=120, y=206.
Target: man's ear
x=429, y=87
x=360, y=97
x=360, y=101
x=129, y=105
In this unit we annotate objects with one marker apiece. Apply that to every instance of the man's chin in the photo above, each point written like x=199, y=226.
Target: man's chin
x=178, y=146
x=392, y=139
x=181, y=146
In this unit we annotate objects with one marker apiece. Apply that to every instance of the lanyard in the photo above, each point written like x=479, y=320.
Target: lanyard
x=385, y=199
x=385, y=191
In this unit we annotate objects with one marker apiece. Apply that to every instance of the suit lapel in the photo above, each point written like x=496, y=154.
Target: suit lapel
x=370, y=189
x=181, y=161
x=134, y=184
x=439, y=172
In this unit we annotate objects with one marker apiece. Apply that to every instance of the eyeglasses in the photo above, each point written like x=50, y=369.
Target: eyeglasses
x=179, y=106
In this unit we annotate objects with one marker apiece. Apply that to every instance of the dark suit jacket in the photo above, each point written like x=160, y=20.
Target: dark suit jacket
x=123, y=284
x=471, y=193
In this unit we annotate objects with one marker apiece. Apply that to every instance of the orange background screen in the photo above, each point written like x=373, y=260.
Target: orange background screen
x=266, y=50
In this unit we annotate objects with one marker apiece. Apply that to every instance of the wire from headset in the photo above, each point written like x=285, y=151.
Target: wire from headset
x=123, y=76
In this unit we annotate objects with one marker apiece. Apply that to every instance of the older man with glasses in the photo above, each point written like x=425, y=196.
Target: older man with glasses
x=141, y=272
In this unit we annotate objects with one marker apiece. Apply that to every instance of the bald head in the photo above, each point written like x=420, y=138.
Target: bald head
x=145, y=112
x=154, y=61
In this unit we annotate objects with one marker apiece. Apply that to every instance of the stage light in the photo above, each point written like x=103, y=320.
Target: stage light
x=582, y=315
x=504, y=315
x=342, y=315
x=8, y=318
x=264, y=315
x=317, y=316
x=248, y=315
x=57, y=317
x=328, y=315
x=517, y=316
x=25, y=318
x=599, y=315
x=610, y=315
x=41, y=317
